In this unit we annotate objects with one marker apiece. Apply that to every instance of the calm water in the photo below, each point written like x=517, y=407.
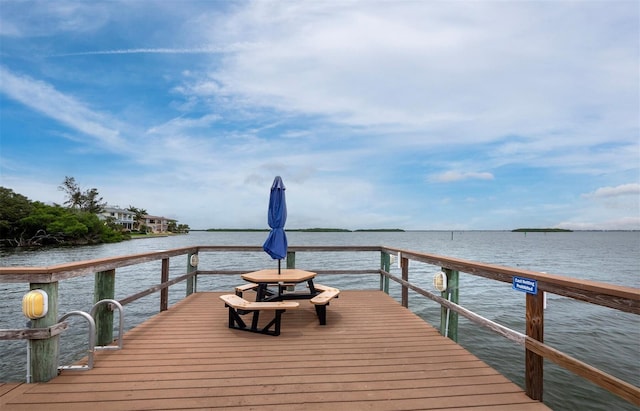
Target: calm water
x=605, y=338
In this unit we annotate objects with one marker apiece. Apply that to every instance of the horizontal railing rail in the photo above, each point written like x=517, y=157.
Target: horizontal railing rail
x=625, y=299
x=611, y=383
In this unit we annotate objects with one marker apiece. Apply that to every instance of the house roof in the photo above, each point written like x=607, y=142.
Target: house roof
x=155, y=217
x=118, y=210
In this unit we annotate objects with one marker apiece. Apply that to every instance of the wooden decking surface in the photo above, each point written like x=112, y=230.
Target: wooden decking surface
x=372, y=355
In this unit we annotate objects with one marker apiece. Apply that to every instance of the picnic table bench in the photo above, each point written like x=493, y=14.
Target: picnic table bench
x=321, y=301
x=239, y=306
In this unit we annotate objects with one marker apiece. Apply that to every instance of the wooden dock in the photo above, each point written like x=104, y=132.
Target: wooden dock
x=373, y=354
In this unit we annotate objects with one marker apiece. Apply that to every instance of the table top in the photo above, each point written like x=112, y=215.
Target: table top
x=272, y=276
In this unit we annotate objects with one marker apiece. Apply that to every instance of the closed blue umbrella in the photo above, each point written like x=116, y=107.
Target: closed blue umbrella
x=276, y=243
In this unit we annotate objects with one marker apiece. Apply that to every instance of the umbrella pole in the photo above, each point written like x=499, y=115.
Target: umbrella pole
x=279, y=261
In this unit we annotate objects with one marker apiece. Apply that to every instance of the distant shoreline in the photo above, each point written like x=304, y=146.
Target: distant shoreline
x=541, y=230
x=399, y=230
x=305, y=230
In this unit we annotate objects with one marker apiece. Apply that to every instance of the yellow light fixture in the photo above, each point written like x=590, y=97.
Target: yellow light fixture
x=35, y=304
x=440, y=281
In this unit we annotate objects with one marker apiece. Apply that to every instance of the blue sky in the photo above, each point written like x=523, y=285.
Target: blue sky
x=435, y=115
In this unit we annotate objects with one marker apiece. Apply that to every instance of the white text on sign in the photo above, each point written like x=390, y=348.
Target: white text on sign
x=526, y=285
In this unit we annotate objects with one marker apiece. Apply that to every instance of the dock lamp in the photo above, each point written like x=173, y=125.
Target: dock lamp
x=35, y=304
x=440, y=281
x=440, y=284
x=193, y=260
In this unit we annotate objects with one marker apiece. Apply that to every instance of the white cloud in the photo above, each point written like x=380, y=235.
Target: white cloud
x=44, y=98
x=51, y=17
x=621, y=190
x=180, y=124
x=624, y=223
x=453, y=176
x=199, y=50
x=406, y=66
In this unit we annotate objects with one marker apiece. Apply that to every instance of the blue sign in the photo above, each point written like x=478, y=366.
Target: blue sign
x=525, y=285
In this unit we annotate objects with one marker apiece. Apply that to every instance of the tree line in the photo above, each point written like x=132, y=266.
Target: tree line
x=26, y=223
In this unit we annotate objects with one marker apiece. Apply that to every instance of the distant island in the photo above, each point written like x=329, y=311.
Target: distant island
x=308, y=230
x=386, y=230
x=234, y=229
x=541, y=230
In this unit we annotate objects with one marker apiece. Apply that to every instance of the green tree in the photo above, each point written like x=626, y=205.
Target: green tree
x=13, y=208
x=139, y=219
x=43, y=226
x=60, y=225
x=89, y=201
x=93, y=202
x=27, y=223
x=72, y=190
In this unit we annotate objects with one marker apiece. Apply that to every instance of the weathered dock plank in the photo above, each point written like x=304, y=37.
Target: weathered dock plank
x=372, y=354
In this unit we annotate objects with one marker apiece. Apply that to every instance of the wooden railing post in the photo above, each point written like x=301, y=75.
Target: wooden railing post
x=192, y=265
x=535, y=329
x=104, y=287
x=164, y=293
x=385, y=265
x=291, y=259
x=448, y=318
x=404, y=264
x=43, y=357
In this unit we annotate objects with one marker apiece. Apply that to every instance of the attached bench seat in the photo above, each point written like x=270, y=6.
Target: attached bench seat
x=245, y=287
x=239, y=306
x=240, y=289
x=321, y=301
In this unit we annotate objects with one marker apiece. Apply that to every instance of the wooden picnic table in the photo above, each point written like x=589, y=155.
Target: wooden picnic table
x=281, y=278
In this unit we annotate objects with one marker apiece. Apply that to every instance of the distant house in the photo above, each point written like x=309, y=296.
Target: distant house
x=125, y=218
x=158, y=224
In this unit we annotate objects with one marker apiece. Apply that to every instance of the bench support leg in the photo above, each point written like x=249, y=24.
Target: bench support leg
x=275, y=323
x=254, y=322
x=321, y=312
x=272, y=328
x=234, y=318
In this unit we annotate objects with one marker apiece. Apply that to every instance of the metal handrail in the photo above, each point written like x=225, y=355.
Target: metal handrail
x=116, y=304
x=92, y=341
